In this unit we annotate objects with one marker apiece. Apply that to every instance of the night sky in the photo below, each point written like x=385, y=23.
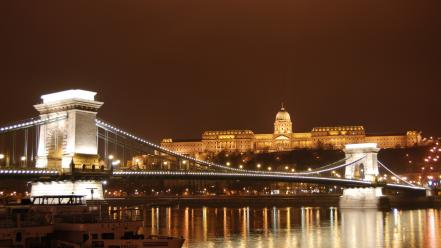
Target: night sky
x=177, y=68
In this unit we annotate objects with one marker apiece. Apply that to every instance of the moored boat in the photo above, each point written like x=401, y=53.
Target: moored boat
x=70, y=223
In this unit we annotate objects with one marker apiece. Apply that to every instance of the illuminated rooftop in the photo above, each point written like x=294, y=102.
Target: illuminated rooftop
x=69, y=94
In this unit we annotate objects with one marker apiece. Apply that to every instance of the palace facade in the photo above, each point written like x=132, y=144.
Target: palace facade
x=284, y=139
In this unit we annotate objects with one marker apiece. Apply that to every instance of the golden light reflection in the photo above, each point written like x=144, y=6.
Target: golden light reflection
x=204, y=222
x=420, y=226
x=168, y=215
x=225, y=223
x=278, y=219
x=294, y=227
x=288, y=227
x=412, y=223
x=432, y=228
x=317, y=216
x=153, y=231
x=265, y=221
x=192, y=220
x=318, y=242
x=186, y=223
x=245, y=223
x=334, y=230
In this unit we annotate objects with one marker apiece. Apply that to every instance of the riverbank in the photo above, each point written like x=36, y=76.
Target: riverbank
x=318, y=200
x=231, y=201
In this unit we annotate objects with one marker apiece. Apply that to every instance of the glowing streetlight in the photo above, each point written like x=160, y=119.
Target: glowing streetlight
x=293, y=170
x=240, y=166
x=2, y=156
x=23, y=158
x=228, y=163
x=258, y=166
x=286, y=168
x=269, y=168
x=111, y=157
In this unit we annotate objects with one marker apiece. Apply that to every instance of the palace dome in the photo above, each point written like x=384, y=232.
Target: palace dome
x=283, y=115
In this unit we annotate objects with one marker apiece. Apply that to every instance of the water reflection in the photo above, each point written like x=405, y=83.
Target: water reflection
x=362, y=228
x=294, y=227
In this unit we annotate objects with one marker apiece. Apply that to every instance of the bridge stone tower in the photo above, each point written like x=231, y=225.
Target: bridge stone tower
x=73, y=135
x=369, y=164
x=367, y=197
x=70, y=134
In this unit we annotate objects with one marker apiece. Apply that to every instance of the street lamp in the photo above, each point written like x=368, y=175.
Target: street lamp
x=269, y=168
x=23, y=160
x=2, y=156
x=110, y=158
x=165, y=163
x=258, y=166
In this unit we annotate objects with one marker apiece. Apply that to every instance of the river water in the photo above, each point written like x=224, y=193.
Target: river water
x=280, y=227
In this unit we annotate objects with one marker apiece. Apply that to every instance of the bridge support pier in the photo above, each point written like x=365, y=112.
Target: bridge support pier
x=90, y=189
x=361, y=197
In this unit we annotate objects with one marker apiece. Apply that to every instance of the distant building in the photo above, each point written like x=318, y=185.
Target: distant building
x=284, y=139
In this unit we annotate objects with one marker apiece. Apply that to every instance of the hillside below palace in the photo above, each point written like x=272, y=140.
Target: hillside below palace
x=284, y=139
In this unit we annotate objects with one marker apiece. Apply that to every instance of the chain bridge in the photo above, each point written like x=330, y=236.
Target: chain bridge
x=69, y=147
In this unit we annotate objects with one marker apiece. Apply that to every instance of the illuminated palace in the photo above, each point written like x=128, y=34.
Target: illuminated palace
x=284, y=139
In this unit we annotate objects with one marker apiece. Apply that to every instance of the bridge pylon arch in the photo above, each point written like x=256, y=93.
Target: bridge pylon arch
x=367, y=152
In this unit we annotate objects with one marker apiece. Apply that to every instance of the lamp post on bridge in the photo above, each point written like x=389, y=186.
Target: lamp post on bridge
x=184, y=162
x=116, y=163
x=110, y=162
x=2, y=158
x=23, y=161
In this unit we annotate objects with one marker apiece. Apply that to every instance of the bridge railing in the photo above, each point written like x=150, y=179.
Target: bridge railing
x=27, y=171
